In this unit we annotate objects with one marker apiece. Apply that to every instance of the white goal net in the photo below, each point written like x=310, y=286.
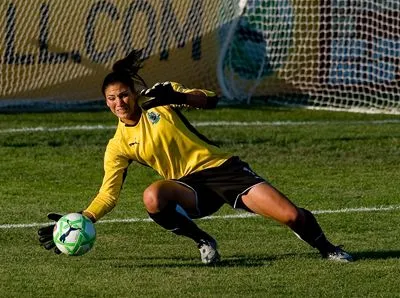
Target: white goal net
x=331, y=54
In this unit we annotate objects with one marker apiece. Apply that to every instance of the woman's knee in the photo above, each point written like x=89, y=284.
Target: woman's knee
x=292, y=216
x=152, y=198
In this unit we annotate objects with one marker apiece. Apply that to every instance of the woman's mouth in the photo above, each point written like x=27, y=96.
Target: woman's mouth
x=122, y=110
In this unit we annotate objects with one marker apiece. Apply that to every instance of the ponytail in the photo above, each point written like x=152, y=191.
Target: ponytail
x=126, y=71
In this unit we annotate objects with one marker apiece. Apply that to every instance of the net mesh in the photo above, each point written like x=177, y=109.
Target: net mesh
x=330, y=54
x=321, y=54
x=57, y=52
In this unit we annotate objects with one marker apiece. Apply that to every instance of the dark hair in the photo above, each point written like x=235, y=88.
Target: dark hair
x=125, y=71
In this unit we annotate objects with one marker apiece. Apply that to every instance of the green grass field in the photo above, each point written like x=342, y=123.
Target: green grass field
x=345, y=167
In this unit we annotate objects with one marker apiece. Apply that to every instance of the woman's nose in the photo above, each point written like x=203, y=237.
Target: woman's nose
x=119, y=101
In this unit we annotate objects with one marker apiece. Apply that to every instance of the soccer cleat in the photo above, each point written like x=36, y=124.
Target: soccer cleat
x=338, y=255
x=208, y=251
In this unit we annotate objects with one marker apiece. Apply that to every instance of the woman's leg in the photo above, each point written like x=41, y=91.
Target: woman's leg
x=161, y=199
x=267, y=201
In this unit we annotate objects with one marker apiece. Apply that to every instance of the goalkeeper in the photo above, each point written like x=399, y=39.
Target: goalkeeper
x=199, y=177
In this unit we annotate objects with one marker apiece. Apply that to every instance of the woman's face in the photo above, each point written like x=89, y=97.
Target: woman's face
x=122, y=101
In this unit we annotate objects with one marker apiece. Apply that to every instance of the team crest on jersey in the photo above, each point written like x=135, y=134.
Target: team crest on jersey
x=153, y=117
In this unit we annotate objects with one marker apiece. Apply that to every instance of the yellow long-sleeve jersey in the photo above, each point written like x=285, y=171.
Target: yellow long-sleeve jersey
x=164, y=140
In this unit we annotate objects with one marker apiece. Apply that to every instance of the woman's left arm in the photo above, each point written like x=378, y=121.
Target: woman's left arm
x=171, y=93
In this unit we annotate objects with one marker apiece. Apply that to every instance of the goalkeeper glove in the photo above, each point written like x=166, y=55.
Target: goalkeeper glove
x=162, y=94
x=46, y=233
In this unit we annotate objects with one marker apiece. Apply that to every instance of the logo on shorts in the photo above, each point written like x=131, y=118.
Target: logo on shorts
x=153, y=117
x=246, y=169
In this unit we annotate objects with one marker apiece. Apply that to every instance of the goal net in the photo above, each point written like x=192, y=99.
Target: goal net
x=330, y=54
x=57, y=52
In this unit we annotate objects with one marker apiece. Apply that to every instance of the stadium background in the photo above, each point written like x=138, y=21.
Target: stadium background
x=330, y=54
x=65, y=48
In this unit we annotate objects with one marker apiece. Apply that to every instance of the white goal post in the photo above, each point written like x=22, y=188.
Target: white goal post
x=321, y=54
x=325, y=54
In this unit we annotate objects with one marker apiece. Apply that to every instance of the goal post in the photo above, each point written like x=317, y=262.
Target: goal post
x=325, y=54
x=322, y=54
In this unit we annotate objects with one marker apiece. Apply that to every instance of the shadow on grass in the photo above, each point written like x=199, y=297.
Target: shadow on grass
x=376, y=255
x=231, y=261
x=244, y=261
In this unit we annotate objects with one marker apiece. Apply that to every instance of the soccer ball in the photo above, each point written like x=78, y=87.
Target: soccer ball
x=74, y=234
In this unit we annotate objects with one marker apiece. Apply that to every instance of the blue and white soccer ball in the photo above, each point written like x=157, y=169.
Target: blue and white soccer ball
x=74, y=234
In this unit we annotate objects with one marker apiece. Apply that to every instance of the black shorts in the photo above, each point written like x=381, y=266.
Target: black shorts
x=224, y=184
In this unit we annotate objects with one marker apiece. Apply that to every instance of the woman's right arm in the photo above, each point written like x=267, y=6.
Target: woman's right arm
x=115, y=168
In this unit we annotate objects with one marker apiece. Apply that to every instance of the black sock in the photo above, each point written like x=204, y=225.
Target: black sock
x=178, y=223
x=310, y=231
